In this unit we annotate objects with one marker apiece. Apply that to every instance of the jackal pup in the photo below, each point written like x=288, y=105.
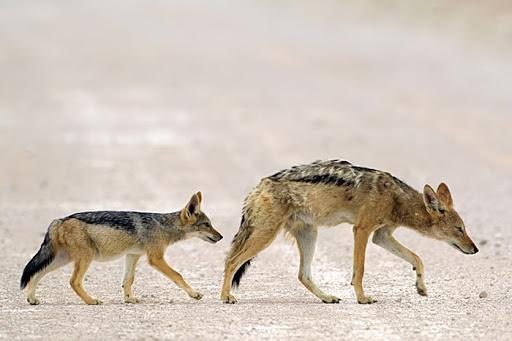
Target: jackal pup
x=105, y=235
x=328, y=193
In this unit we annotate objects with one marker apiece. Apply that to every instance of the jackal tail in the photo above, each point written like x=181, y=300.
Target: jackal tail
x=258, y=228
x=41, y=260
x=238, y=242
x=242, y=236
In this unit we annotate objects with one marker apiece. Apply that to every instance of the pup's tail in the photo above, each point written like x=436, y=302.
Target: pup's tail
x=41, y=260
x=239, y=240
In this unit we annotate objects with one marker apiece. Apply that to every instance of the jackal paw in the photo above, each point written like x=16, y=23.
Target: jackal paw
x=196, y=295
x=132, y=300
x=94, y=302
x=230, y=299
x=422, y=290
x=366, y=300
x=33, y=301
x=331, y=299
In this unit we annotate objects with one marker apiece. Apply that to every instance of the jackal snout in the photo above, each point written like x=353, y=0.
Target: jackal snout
x=196, y=223
x=447, y=224
x=210, y=235
x=466, y=246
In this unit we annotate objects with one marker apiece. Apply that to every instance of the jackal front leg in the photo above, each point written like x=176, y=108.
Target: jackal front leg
x=384, y=238
x=361, y=236
x=129, y=275
x=159, y=263
x=306, y=240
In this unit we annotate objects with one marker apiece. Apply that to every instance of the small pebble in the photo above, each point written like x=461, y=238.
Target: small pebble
x=483, y=294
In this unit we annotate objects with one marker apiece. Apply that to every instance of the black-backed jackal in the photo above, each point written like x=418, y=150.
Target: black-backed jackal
x=105, y=235
x=299, y=199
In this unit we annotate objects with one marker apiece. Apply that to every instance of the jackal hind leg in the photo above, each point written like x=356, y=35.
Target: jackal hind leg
x=383, y=237
x=306, y=240
x=257, y=242
x=128, y=278
x=77, y=278
x=60, y=260
x=361, y=235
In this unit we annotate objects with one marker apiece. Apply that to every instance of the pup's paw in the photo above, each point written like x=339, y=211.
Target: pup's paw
x=331, y=299
x=196, y=295
x=228, y=298
x=94, y=302
x=33, y=301
x=366, y=300
x=132, y=300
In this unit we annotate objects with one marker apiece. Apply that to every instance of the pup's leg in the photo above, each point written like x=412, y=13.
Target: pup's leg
x=129, y=275
x=361, y=236
x=306, y=240
x=384, y=238
x=257, y=241
x=81, y=266
x=60, y=260
x=158, y=262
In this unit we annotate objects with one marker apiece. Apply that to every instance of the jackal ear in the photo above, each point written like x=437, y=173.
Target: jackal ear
x=431, y=200
x=443, y=192
x=200, y=196
x=194, y=204
x=193, y=207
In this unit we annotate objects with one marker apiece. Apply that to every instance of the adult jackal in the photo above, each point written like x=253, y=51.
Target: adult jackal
x=328, y=193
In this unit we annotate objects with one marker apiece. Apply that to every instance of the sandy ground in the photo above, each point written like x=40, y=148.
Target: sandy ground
x=135, y=105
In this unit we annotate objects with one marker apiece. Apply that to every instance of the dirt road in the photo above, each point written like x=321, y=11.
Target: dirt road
x=131, y=105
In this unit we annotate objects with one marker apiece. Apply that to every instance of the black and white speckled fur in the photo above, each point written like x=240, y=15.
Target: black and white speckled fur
x=302, y=198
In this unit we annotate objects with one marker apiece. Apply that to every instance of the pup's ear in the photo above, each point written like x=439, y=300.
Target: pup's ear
x=431, y=200
x=200, y=196
x=192, y=208
x=443, y=192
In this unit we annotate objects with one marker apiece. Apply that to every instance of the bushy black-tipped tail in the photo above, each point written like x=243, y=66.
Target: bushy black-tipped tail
x=240, y=272
x=41, y=260
x=238, y=244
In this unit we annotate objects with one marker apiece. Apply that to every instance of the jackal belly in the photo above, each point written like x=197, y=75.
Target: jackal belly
x=336, y=218
x=329, y=219
x=112, y=243
x=109, y=256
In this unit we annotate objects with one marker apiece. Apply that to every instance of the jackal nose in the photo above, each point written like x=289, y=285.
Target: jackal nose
x=220, y=238
x=475, y=249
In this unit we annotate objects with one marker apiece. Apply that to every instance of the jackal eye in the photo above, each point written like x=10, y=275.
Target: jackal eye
x=460, y=229
x=207, y=224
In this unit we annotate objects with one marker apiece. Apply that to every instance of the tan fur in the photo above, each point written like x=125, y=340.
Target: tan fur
x=373, y=201
x=75, y=241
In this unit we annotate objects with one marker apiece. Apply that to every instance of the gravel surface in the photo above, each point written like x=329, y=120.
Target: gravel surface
x=135, y=105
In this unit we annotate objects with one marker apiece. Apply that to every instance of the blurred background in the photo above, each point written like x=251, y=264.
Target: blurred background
x=137, y=104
